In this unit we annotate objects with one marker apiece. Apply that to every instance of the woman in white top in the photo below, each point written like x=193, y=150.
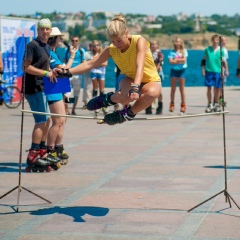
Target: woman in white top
x=98, y=74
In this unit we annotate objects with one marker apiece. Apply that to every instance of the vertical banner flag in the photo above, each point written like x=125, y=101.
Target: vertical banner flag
x=13, y=34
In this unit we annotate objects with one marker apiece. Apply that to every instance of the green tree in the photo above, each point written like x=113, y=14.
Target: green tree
x=78, y=30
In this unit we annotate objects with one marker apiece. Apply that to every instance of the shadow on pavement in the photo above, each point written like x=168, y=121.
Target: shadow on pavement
x=11, y=167
x=75, y=212
x=221, y=167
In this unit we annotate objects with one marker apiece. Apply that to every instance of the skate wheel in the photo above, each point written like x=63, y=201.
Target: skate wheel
x=63, y=161
x=100, y=121
x=66, y=161
x=58, y=165
x=54, y=167
x=34, y=170
x=49, y=169
x=41, y=170
x=28, y=169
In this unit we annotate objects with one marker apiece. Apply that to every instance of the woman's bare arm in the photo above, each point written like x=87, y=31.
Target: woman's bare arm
x=140, y=61
x=93, y=63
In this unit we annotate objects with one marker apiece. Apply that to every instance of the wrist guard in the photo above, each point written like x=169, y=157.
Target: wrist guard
x=238, y=71
x=64, y=74
x=135, y=88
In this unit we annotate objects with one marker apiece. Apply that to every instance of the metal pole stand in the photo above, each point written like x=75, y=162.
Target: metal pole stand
x=228, y=197
x=19, y=186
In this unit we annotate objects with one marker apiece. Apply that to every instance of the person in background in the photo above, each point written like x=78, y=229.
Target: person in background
x=76, y=80
x=98, y=73
x=211, y=70
x=88, y=86
x=139, y=79
x=56, y=101
x=117, y=71
x=158, y=58
x=36, y=66
x=1, y=64
x=225, y=69
x=238, y=67
x=1, y=72
x=178, y=60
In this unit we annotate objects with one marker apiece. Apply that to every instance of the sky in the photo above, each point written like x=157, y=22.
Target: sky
x=149, y=7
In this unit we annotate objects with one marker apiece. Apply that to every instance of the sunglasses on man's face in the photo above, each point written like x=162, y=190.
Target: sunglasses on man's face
x=74, y=40
x=96, y=45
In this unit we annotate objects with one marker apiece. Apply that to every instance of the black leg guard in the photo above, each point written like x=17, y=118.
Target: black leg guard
x=119, y=116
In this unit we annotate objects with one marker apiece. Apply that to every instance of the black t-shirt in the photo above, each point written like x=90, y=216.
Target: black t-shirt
x=38, y=53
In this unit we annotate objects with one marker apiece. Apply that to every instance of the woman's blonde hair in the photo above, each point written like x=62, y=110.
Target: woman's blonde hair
x=117, y=27
x=181, y=45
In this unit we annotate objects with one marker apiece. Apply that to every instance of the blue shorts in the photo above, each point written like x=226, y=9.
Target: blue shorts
x=38, y=103
x=52, y=98
x=177, y=73
x=213, y=79
x=98, y=76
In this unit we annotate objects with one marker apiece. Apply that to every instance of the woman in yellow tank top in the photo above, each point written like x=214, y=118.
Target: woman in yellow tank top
x=139, y=79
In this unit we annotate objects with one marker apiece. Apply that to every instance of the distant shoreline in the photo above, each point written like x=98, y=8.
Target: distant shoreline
x=198, y=41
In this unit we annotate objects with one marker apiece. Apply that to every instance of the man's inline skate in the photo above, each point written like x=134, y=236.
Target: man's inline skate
x=61, y=154
x=51, y=157
x=35, y=163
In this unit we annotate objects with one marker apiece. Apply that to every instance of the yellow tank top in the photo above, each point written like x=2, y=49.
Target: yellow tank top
x=127, y=62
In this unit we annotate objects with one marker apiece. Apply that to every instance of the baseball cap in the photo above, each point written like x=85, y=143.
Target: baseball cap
x=45, y=22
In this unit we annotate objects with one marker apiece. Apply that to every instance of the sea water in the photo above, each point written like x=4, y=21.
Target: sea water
x=193, y=72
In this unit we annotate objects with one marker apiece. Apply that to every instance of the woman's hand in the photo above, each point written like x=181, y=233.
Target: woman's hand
x=55, y=71
x=133, y=96
x=61, y=73
x=134, y=93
